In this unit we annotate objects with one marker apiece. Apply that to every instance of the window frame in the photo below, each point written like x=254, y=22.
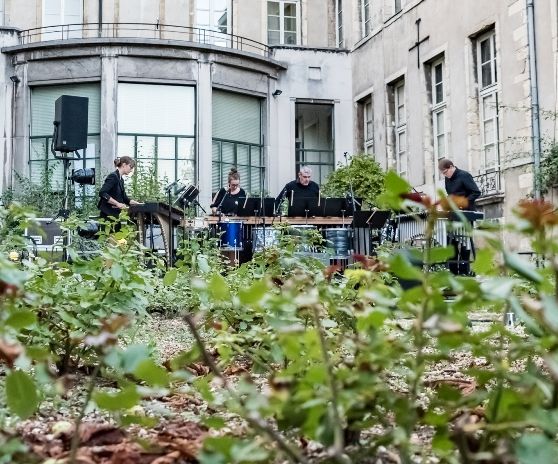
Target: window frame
x=398, y=6
x=486, y=92
x=73, y=33
x=214, y=27
x=438, y=107
x=339, y=36
x=281, y=31
x=365, y=24
x=401, y=152
x=368, y=123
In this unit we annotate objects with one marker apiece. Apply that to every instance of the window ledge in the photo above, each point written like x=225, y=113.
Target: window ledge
x=490, y=199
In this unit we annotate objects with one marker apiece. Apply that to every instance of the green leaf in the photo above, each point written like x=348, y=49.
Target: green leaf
x=21, y=319
x=170, y=277
x=218, y=288
x=498, y=287
x=144, y=421
x=254, y=293
x=151, y=373
x=440, y=254
x=50, y=277
x=522, y=315
x=132, y=356
x=535, y=448
x=402, y=267
x=522, y=267
x=550, y=311
x=484, y=261
x=21, y=394
x=214, y=422
x=124, y=399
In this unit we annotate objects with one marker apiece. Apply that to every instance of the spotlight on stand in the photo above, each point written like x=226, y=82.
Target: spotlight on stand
x=187, y=197
x=83, y=176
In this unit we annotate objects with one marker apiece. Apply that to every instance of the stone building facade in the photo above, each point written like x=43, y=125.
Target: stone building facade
x=196, y=86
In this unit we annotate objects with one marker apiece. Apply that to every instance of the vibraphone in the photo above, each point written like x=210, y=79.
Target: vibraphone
x=447, y=231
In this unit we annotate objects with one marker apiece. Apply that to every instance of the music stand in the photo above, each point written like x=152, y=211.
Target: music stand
x=249, y=206
x=334, y=207
x=304, y=206
x=375, y=219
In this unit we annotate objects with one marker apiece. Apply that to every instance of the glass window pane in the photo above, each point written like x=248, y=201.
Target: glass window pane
x=485, y=50
x=126, y=146
x=290, y=24
x=441, y=146
x=186, y=148
x=273, y=8
x=145, y=147
x=273, y=23
x=243, y=154
x=165, y=147
x=290, y=9
x=166, y=170
x=203, y=17
x=290, y=38
x=273, y=37
x=401, y=142
x=439, y=93
x=440, y=122
x=438, y=73
x=489, y=107
x=186, y=171
x=486, y=72
x=489, y=135
x=228, y=153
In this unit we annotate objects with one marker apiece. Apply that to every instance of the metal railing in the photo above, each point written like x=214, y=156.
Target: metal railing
x=489, y=183
x=155, y=31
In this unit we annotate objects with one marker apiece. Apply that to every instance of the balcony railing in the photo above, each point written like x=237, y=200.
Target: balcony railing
x=142, y=31
x=489, y=183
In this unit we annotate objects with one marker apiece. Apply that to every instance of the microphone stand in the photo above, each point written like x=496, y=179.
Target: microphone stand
x=353, y=201
x=169, y=188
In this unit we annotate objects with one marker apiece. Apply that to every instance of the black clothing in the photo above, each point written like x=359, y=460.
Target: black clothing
x=461, y=183
x=112, y=188
x=296, y=189
x=230, y=203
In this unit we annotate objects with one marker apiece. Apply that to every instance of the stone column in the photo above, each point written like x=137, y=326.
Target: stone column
x=8, y=95
x=109, y=124
x=204, y=132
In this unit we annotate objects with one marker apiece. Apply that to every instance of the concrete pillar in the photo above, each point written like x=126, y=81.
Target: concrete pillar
x=204, y=131
x=8, y=92
x=109, y=123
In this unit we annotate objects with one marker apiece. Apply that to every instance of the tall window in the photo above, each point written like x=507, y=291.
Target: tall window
x=213, y=15
x=283, y=22
x=156, y=126
x=488, y=99
x=365, y=17
x=400, y=129
x=1, y=12
x=368, y=129
x=62, y=12
x=438, y=109
x=42, y=164
x=399, y=4
x=339, y=22
x=314, y=139
x=237, y=140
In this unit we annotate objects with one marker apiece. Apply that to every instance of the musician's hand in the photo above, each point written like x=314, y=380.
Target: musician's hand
x=134, y=202
x=121, y=205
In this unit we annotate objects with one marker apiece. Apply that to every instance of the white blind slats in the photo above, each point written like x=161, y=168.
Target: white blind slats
x=42, y=106
x=236, y=117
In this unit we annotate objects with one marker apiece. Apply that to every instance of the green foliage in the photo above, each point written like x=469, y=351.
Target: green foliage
x=146, y=185
x=21, y=394
x=366, y=175
x=548, y=178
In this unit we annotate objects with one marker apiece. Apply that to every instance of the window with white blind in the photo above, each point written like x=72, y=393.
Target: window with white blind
x=237, y=140
x=398, y=5
x=439, y=104
x=213, y=16
x=401, y=129
x=156, y=125
x=2, y=13
x=339, y=39
x=365, y=15
x=283, y=19
x=68, y=14
x=487, y=76
x=42, y=163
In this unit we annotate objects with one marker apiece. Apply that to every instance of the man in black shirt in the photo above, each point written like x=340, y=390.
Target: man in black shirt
x=303, y=187
x=459, y=182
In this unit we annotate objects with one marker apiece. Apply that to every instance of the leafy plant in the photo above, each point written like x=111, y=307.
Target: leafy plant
x=549, y=169
x=146, y=185
x=365, y=174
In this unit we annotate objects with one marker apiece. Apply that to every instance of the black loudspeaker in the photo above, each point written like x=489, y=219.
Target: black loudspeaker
x=70, y=123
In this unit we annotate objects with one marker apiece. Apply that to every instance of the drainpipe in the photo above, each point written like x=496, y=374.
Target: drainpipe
x=535, y=113
x=100, y=18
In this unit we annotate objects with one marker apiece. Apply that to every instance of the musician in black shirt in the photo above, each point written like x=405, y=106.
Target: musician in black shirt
x=303, y=187
x=112, y=195
x=459, y=182
x=228, y=201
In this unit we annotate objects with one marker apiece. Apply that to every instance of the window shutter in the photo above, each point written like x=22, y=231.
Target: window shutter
x=42, y=106
x=236, y=117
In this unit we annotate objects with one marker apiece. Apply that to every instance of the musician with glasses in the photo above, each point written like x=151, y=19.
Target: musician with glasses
x=228, y=201
x=459, y=182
